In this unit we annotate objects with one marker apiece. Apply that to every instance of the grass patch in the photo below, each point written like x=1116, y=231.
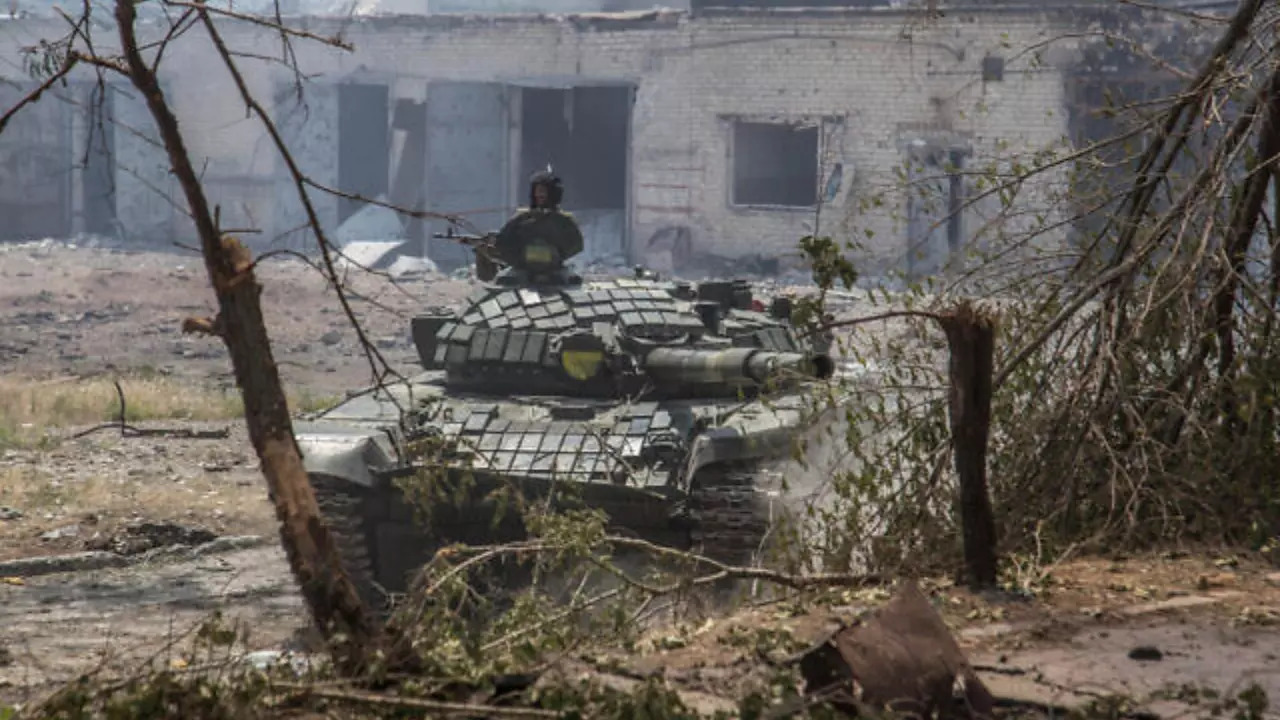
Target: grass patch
x=305, y=401
x=30, y=409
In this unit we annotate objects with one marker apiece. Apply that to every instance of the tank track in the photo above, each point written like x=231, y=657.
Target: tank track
x=730, y=515
x=343, y=510
x=730, y=523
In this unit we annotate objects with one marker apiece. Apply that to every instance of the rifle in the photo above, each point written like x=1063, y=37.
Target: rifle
x=487, y=261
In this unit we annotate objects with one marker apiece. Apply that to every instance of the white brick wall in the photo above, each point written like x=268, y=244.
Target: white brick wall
x=884, y=73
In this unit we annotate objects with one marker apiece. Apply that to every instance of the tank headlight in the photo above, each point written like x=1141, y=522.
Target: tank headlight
x=581, y=364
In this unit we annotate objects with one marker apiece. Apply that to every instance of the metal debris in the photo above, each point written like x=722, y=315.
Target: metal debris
x=902, y=657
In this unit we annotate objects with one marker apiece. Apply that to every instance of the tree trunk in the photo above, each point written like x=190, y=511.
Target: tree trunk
x=332, y=599
x=1245, y=212
x=971, y=337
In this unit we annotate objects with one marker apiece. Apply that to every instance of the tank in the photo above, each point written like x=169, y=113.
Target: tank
x=657, y=401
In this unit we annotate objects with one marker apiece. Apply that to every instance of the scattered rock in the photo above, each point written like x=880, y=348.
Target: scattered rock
x=1217, y=580
x=333, y=337
x=12, y=572
x=27, y=567
x=299, y=663
x=1146, y=653
x=9, y=513
x=140, y=537
x=66, y=531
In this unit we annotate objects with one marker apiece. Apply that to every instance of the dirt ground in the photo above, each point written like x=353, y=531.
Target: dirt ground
x=73, y=317
x=1203, y=627
x=1164, y=632
x=77, y=319
x=75, y=310
x=55, y=627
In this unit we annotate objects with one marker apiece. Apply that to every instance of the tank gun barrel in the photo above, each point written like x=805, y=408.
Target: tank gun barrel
x=469, y=240
x=732, y=366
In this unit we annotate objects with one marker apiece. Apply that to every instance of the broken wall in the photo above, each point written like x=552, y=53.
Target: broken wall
x=713, y=95
x=868, y=83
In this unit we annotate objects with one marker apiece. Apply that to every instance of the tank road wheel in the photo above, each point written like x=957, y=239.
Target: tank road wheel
x=343, y=506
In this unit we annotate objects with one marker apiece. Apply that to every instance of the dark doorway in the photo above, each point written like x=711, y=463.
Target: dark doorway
x=364, y=165
x=935, y=203
x=582, y=132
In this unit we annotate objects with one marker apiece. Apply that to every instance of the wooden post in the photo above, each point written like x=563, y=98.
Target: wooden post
x=971, y=339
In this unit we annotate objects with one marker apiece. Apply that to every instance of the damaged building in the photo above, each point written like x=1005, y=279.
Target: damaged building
x=711, y=131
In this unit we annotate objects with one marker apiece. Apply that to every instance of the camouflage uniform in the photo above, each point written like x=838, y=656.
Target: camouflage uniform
x=540, y=238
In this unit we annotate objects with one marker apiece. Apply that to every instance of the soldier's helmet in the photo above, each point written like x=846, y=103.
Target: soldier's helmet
x=548, y=179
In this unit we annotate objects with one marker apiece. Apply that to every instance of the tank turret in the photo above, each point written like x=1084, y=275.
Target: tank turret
x=613, y=339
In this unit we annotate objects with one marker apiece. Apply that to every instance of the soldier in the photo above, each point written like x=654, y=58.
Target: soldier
x=542, y=237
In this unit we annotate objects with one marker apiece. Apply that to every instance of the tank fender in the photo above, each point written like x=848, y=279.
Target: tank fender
x=352, y=456
x=720, y=445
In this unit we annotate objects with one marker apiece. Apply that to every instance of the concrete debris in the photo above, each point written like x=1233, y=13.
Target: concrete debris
x=299, y=663
x=371, y=222
x=395, y=258
x=374, y=238
x=46, y=246
x=902, y=657
x=406, y=266
x=369, y=253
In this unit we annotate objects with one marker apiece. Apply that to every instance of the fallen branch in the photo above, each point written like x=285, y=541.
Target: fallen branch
x=127, y=430
x=721, y=570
